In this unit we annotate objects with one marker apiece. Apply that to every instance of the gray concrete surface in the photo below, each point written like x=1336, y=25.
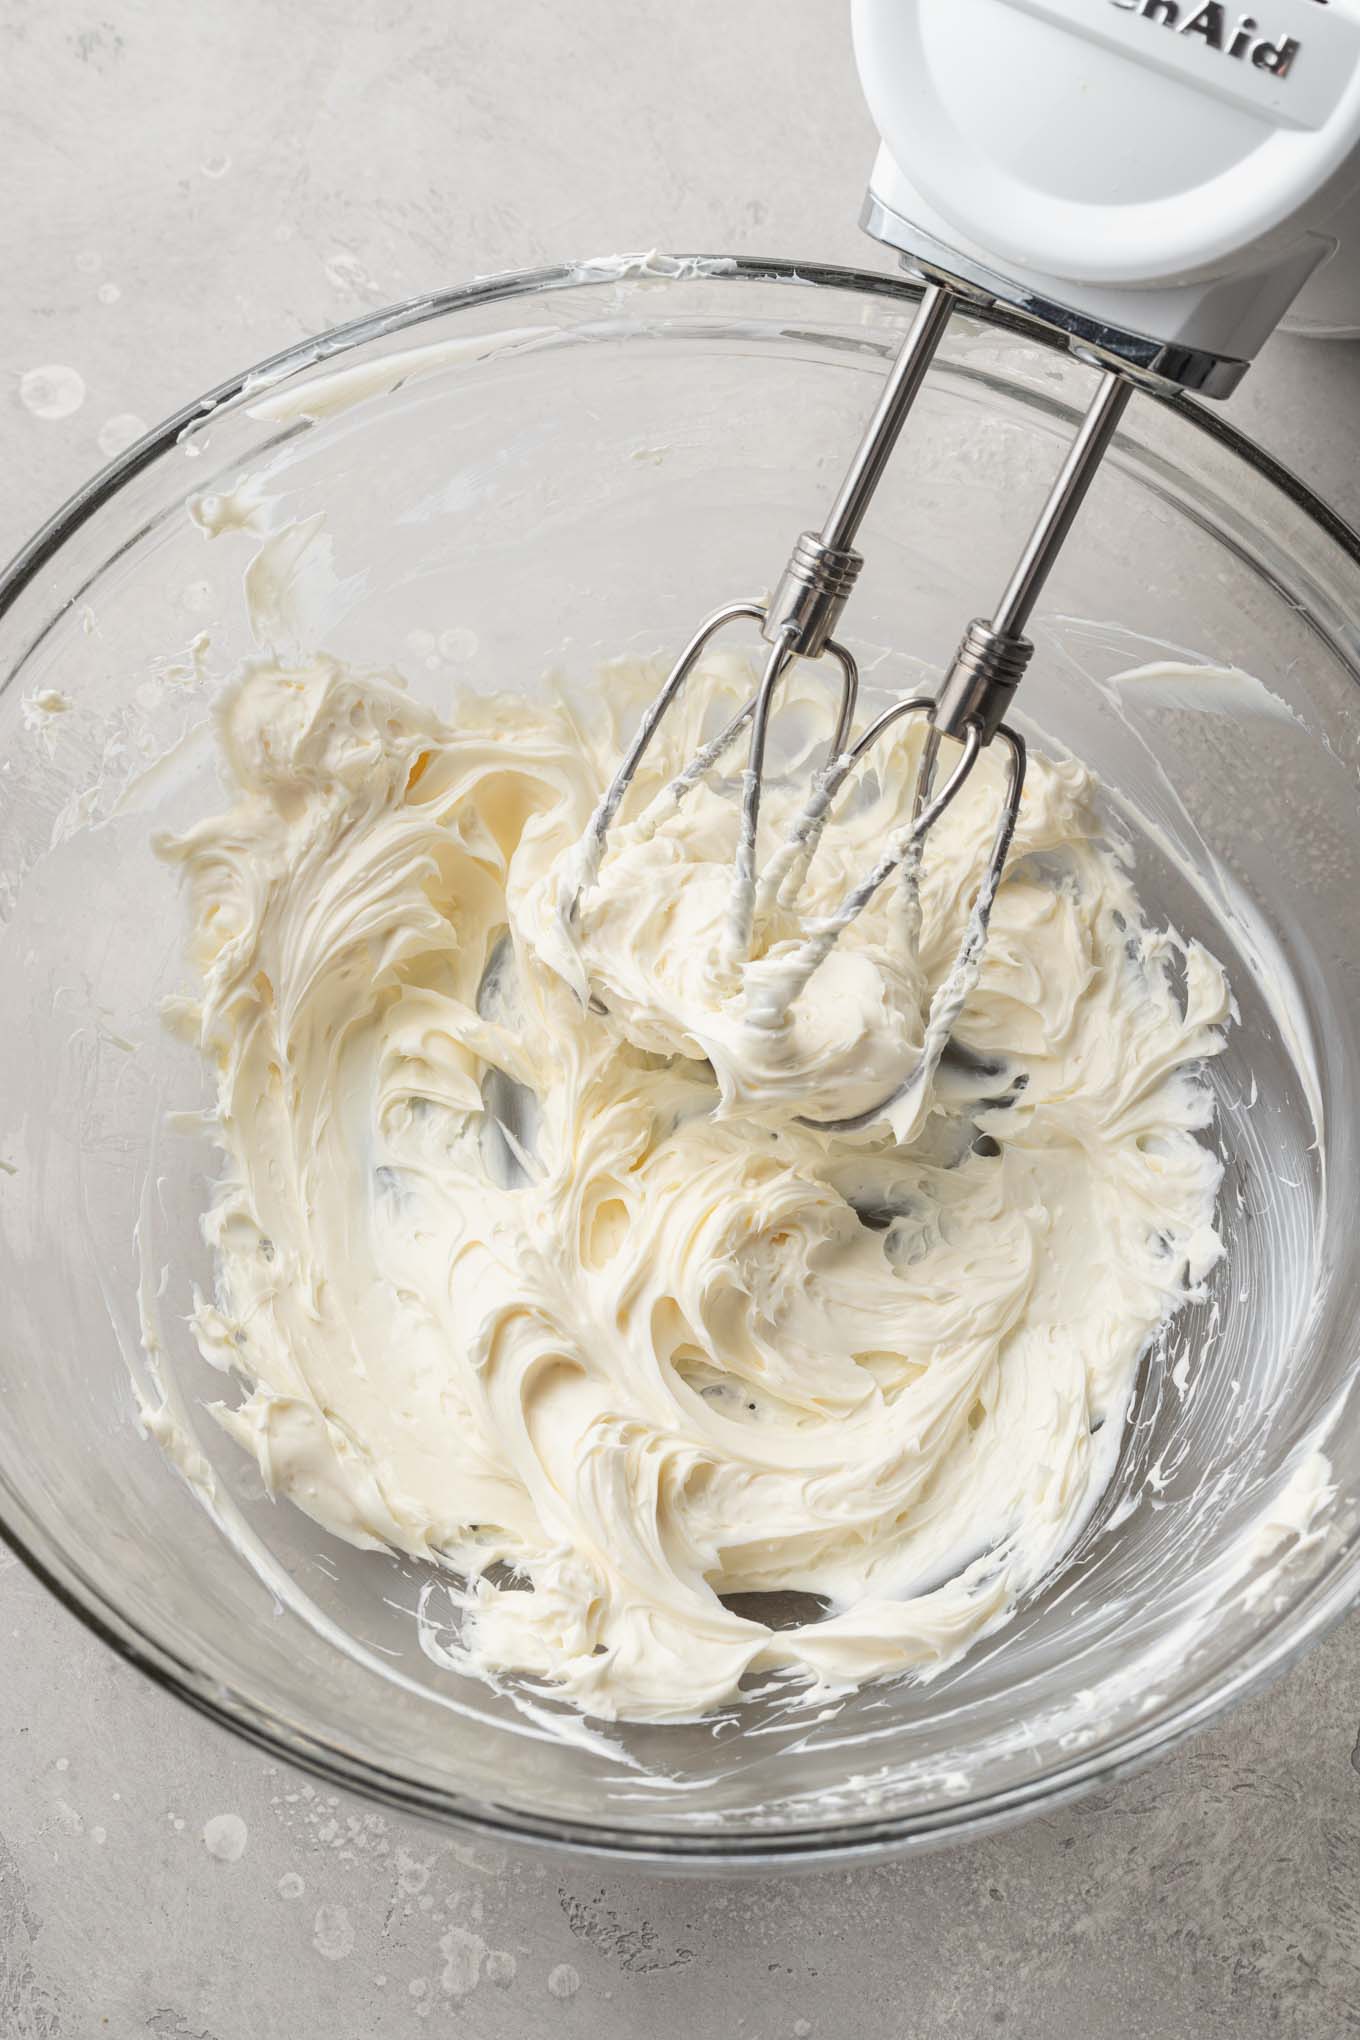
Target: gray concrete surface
x=190, y=184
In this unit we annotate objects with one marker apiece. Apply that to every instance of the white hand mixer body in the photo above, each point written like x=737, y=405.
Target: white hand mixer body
x=1156, y=178
x=1152, y=181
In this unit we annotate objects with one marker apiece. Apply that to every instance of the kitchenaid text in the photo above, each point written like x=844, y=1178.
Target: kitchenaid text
x=1213, y=26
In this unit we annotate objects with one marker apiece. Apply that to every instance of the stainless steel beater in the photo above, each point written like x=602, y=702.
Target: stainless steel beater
x=969, y=712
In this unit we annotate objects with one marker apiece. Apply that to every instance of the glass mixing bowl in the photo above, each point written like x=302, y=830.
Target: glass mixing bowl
x=542, y=471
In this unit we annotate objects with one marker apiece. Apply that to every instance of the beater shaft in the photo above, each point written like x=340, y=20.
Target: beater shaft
x=1068, y=494
x=993, y=657
x=821, y=575
x=890, y=414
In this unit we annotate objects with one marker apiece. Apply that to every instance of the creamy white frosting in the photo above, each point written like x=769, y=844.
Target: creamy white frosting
x=525, y=1255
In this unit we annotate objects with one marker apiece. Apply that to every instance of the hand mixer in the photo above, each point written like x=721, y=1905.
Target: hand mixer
x=1153, y=182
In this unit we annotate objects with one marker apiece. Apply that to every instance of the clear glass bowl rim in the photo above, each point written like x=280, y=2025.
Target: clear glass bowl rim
x=1306, y=1622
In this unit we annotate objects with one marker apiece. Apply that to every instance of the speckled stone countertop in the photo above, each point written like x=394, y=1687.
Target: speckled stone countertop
x=190, y=187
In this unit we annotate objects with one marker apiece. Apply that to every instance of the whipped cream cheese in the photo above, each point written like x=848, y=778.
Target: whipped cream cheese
x=527, y=1264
